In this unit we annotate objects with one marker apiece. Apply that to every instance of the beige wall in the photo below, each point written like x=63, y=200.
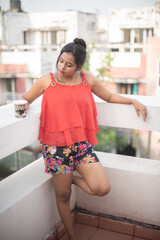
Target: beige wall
x=153, y=55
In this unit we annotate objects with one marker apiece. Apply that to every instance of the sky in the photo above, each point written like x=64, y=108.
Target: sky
x=100, y=6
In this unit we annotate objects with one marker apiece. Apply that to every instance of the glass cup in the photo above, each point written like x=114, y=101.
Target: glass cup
x=20, y=107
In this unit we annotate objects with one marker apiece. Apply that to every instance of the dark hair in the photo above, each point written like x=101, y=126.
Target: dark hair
x=78, y=50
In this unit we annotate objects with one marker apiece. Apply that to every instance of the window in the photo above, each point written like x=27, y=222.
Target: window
x=91, y=26
x=8, y=86
x=149, y=32
x=44, y=37
x=53, y=37
x=127, y=88
x=126, y=35
x=114, y=49
x=25, y=37
x=61, y=37
x=48, y=38
x=137, y=35
x=29, y=37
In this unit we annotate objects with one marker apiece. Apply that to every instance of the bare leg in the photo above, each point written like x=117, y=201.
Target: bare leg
x=62, y=184
x=94, y=179
x=80, y=182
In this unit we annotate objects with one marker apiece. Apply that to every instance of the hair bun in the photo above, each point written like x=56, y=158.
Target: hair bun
x=80, y=41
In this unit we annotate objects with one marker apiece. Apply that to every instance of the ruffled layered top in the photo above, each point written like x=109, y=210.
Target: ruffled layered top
x=68, y=114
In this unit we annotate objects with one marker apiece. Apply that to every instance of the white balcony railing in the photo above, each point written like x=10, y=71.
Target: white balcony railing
x=32, y=47
x=121, y=46
x=27, y=201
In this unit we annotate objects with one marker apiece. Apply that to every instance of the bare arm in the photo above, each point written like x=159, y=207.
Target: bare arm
x=37, y=89
x=99, y=90
x=139, y=107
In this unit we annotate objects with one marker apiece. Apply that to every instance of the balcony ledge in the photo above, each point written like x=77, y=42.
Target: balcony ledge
x=12, y=130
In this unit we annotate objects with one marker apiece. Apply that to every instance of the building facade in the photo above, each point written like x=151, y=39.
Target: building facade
x=29, y=38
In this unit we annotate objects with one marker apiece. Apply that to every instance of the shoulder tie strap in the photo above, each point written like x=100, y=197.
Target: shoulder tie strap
x=52, y=77
x=53, y=82
x=84, y=78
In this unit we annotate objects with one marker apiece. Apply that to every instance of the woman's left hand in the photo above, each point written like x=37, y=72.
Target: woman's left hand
x=140, y=109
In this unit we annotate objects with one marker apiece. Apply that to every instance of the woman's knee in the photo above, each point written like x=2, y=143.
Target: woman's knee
x=105, y=190
x=101, y=190
x=64, y=195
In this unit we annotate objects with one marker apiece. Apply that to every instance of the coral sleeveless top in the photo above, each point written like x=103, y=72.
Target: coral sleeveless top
x=68, y=114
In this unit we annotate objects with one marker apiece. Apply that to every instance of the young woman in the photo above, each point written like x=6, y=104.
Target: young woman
x=69, y=126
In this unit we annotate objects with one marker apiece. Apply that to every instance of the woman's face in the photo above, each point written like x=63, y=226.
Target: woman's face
x=66, y=64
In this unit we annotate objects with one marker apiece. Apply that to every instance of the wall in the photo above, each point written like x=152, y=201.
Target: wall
x=153, y=56
x=124, y=65
x=13, y=70
x=28, y=58
x=102, y=28
x=14, y=25
x=87, y=26
x=132, y=195
x=45, y=61
x=28, y=204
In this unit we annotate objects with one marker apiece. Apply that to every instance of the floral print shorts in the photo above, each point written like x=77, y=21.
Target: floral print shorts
x=62, y=160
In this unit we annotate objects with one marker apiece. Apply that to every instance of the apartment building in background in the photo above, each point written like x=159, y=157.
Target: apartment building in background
x=30, y=43
x=133, y=38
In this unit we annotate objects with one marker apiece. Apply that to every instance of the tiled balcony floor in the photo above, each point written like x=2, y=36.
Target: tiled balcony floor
x=88, y=227
x=85, y=232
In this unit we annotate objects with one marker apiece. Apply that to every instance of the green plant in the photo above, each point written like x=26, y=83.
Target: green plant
x=86, y=66
x=105, y=69
x=110, y=140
